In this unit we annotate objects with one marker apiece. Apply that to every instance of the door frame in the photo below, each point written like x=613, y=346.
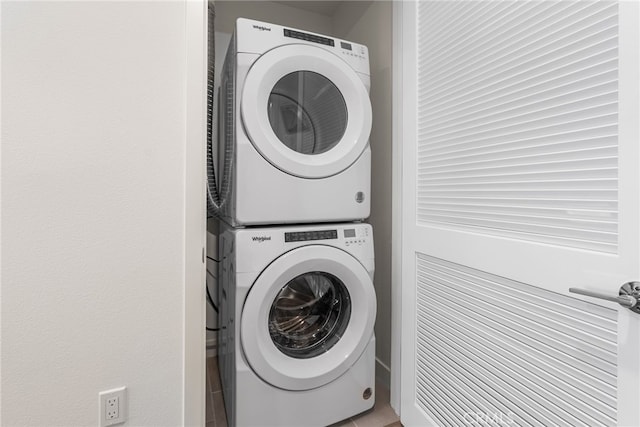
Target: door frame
x=194, y=315
x=397, y=91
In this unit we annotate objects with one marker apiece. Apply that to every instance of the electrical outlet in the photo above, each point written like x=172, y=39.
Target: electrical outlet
x=113, y=406
x=112, y=410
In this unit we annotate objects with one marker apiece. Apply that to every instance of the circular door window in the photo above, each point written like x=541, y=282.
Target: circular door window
x=307, y=112
x=309, y=315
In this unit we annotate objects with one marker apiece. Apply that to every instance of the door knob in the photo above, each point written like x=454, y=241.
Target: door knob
x=628, y=296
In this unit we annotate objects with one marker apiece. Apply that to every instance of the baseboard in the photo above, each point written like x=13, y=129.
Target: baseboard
x=383, y=374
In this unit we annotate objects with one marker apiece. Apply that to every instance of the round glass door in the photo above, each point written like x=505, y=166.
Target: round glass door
x=307, y=112
x=309, y=315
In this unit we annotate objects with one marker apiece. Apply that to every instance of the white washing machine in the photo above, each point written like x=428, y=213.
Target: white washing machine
x=297, y=309
x=295, y=119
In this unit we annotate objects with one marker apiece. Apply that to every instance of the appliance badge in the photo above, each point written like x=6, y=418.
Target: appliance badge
x=260, y=239
x=261, y=28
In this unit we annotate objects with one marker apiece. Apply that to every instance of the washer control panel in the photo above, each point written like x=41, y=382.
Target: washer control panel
x=304, y=236
x=259, y=246
x=355, y=236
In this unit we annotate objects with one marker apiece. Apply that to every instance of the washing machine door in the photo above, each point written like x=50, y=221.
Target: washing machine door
x=308, y=317
x=306, y=111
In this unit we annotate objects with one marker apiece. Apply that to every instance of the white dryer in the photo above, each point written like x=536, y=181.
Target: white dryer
x=296, y=346
x=295, y=119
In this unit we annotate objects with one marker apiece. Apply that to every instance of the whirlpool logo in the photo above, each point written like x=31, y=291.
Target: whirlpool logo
x=260, y=239
x=261, y=28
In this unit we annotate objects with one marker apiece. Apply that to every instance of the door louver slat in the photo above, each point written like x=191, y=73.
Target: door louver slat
x=519, y=99
x=539, y=358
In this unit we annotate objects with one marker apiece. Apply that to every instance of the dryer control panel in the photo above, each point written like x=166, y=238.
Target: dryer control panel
x=308, y=37
x=346, y=49
x=260, y=37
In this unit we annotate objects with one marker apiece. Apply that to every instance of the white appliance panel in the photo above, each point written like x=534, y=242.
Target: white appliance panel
x=294, y=158
x=301, y=399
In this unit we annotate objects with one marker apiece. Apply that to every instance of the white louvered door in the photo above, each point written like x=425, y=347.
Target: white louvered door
x=521, y=159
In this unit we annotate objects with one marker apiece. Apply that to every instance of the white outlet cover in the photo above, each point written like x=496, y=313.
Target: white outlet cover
x=105, y=416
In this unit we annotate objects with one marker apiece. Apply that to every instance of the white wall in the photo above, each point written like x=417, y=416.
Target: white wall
x=369, y=23
x=93, y=211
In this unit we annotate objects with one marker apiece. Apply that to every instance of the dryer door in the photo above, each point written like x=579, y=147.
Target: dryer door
x=306, y=111
x=308, y=317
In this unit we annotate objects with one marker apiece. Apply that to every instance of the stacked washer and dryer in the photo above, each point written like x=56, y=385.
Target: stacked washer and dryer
x=297, y=302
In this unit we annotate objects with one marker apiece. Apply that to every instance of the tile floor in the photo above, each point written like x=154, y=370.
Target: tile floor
x=381, y=415
x=215, y=413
